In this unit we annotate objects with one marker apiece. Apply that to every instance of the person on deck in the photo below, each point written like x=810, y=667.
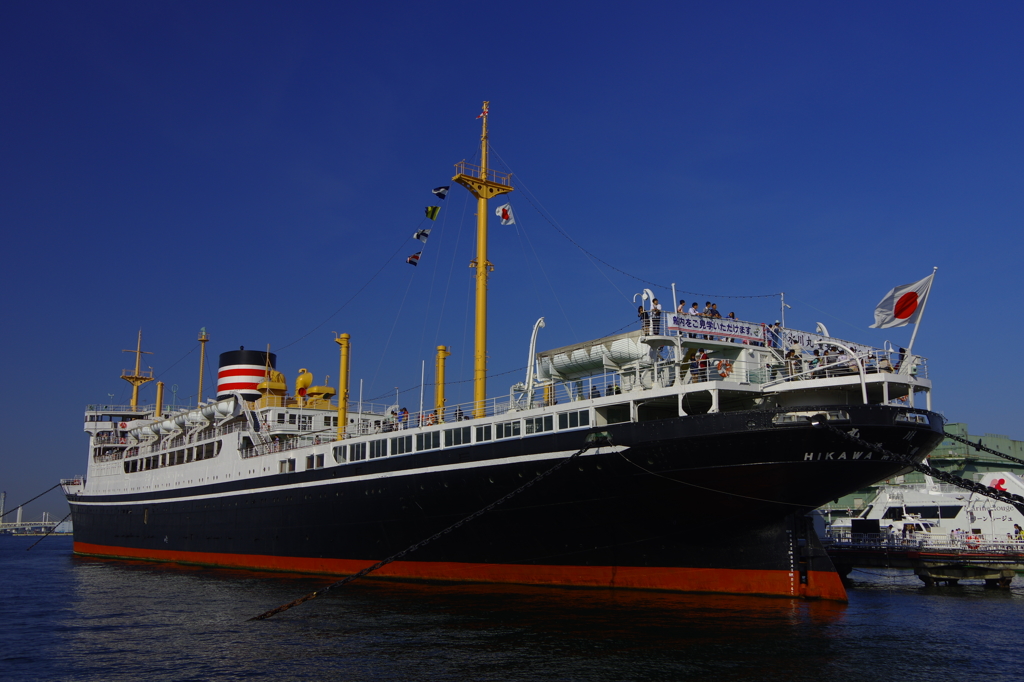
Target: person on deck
x=655, y=317
x=715, y=315
x=703, y=357
x=696, y=313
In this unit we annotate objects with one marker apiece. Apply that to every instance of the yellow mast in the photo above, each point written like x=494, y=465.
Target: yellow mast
x=483, y=184
x=203, y=338
x=343, y=345
x=139, y=377
x=442, y=354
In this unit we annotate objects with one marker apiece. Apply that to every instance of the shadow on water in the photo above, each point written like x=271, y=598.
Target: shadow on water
x=112, y=620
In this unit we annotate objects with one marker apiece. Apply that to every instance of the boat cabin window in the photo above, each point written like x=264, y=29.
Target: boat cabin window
x=280, y=417
x=330, y=421
x=401, y=445
x=572, y=420
x=428, y=441
x=458, y=436
x=378, y=448
x=483, y=433
x=540, y=424
x=357, y=452
x=507, y=429
x=340, y=453
x=286, y=466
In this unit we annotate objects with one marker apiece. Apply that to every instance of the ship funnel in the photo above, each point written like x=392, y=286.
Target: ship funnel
x=243, y=370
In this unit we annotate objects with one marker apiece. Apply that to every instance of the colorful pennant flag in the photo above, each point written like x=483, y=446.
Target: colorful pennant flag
x=432, y=211
x=421, y=235
x=414, y=258
x=441, y=192
x=505, y=213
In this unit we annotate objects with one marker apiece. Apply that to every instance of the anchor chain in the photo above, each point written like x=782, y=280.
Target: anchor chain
x=980, y=447
x=820, y=421
x=601, y=440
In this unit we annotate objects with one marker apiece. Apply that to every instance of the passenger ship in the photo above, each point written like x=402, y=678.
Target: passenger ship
x=695, y=475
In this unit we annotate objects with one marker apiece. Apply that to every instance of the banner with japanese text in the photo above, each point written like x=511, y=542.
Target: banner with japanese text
x=710, y=326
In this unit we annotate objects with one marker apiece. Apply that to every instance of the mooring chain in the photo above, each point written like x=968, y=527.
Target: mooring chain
x=821, y=422
x=435, y=536
x=979, y=446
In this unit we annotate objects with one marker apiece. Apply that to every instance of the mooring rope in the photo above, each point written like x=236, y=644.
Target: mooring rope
x=421, y=543
x=48, y=532
x=32, y=500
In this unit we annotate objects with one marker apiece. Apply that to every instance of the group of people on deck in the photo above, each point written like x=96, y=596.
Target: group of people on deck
x=830, y=361
x=652, y=319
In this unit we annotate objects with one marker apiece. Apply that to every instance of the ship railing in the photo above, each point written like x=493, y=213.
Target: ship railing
x=285, y=444
x=664, y=374
x=290, y=402
x=802, y=367
x=202, y=435
x=108, y=456
x=108, y=440
x=936, y=539
x=119, y=408
x=473, y=171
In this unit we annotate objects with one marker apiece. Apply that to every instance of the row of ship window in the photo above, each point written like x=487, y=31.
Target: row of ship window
x=166, y=459
x=304, y=421
x=463, y=435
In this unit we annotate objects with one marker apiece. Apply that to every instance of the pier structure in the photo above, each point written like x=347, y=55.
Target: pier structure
x=935, y=560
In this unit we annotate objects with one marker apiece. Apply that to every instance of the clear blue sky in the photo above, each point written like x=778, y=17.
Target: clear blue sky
x=247, y=167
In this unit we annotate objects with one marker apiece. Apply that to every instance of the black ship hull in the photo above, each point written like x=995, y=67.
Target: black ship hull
x=712, y=502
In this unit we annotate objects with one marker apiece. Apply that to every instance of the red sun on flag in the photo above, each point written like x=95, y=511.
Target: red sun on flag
x=906, y=306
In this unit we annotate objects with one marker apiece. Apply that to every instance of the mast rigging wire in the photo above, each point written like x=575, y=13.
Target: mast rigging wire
x=527, y=194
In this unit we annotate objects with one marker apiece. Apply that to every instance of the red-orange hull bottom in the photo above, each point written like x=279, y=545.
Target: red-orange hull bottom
x=820, y=584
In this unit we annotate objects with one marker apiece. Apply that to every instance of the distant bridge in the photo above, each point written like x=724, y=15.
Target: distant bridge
x=19, y=525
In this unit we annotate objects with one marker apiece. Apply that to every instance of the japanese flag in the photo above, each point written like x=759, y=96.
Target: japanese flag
x=902, y=305
x=505, y=213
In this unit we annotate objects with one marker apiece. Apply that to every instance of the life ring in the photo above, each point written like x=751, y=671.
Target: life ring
x=724, y=368
x=123, y=425
x=972, y=542
x=430, y=419
x=122, y=441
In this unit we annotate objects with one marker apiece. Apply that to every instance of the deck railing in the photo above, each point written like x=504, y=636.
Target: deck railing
x=936, y=539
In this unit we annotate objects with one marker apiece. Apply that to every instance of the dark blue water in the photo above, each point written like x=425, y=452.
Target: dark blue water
x=68, y=618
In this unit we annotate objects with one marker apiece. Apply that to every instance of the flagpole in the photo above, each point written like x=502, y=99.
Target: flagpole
x=917, y=325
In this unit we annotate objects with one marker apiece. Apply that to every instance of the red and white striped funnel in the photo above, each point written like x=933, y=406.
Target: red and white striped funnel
x=243, y=370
